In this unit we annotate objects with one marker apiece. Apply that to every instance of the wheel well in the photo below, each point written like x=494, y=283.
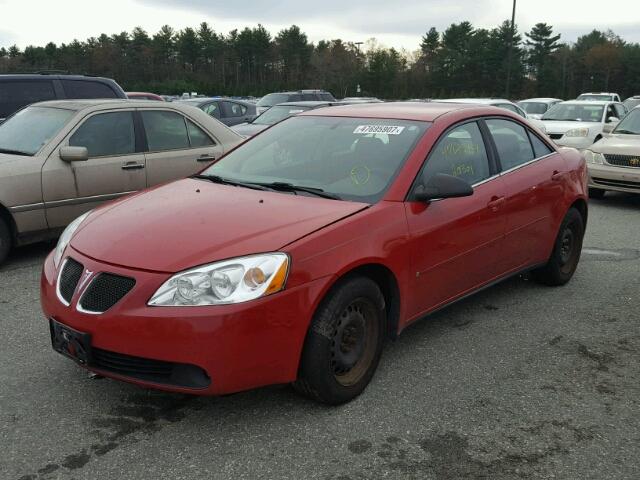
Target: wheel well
x=6, y=216
x=388, y=284
x=581, y=206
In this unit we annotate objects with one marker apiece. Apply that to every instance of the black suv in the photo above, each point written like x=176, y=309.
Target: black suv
x=20, y=90
x=268, y=101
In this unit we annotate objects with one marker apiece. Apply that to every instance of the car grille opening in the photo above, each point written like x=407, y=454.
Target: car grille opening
x=555, y=136
x=69, y=278
x=616, y=183
x=146, y=369
x=105, y=291
x=632, y=161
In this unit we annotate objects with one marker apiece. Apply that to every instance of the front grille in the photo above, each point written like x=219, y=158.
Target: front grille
x=623, y=160
x=69, y=278
x=105, y=291
x=555, y=136
x=146, y=369
x=616, y=183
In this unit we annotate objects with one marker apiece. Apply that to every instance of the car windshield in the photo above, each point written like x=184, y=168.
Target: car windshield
x=32, y=128
x=631, y=103
x=278, y=113
x=594, y=97
x=574, y=112
x=535, y=108
x=272, y=99
x=630, y=124
x=350, y=158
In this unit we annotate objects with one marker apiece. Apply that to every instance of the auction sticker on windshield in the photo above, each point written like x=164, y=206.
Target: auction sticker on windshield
x=388, y=129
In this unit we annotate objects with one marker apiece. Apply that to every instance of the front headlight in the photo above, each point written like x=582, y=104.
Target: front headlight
x=593, y=157
x=577, y=132
x=65, y=238
x=230, y=281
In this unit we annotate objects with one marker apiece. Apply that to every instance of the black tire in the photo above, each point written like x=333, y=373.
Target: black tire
x=5, y=240
x=344, y=342
x=566, y=252
x=596, y=193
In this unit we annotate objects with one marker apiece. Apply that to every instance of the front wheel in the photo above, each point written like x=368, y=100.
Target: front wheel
x=566, y=252
x=5, y=240
x=344, y=342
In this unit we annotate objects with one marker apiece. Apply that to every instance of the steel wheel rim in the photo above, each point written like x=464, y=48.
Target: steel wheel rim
x=568, y=248
x=354, y=340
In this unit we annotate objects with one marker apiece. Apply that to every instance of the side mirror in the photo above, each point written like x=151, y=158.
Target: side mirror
x=74, y=154
x=441, y=185
x=613, y=120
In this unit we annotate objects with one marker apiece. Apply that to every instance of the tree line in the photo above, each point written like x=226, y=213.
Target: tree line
x=461, y=61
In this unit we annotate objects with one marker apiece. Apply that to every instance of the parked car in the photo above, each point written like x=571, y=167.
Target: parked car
x=144, y=96
x=632, y=102
x=230, y=112
x=276, y=114
x=59, y=159
x=272, y=99
x=296, y=255
x=18, y=91
x=599, y=97
x=579, y=123
x=536, y=107
x=496, y=102
x=614, y=161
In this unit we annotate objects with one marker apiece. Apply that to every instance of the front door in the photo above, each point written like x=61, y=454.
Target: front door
x=115, y=167
x=177, y=147
x=455, y=242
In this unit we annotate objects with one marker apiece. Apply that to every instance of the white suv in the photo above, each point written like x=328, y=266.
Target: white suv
x=599, y=97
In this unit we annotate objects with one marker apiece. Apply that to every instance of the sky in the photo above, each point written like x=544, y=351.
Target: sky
x=399, y=23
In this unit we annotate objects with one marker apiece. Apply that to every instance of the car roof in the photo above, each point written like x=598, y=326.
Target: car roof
x=588, y=102
x=33, y=76
x=308, y=103
x=477, y=101
x=541, y=99
x=417, y=111
x=597, y=93
x=106, y=103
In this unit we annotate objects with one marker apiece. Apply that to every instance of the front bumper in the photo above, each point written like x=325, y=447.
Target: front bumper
x=239, y=347
x=608, y=177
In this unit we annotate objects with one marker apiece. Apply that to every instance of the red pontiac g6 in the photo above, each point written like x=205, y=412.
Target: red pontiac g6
x=293, y=257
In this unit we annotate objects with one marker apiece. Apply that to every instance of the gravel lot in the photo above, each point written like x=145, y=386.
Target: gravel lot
x=519, y=381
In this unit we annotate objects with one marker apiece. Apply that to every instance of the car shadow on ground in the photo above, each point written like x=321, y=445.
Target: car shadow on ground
x=27, y=256
x=618, y=200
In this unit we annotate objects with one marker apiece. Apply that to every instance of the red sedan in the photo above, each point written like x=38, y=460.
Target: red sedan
x=295, y=256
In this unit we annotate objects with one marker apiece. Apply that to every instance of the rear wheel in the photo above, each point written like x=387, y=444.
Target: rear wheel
x=566, y=252
x=596, y=193
x=344, y=343
x=5, y=240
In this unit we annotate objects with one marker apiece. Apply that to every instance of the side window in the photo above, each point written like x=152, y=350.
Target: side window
x=87, y=89
x=539, y=147
x=197, y=137
x=512, y=143
x=212, y=109
x=15, y=95
x=620, y=110
x=309, y=97
x=460, y=153
x=165, y=130
x=232, y=109
x=106, y=134
x=296, y=97
x=326, y=97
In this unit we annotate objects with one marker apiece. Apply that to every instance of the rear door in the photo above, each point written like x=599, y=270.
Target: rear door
x=176, y=146
x=455, y=242
x=115, y=167
x=533, y=177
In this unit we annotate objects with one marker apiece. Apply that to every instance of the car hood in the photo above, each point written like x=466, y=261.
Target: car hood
x=192, y=222
x=618, y=143
x=248, y=129
x=7, y=159
x=553, y=126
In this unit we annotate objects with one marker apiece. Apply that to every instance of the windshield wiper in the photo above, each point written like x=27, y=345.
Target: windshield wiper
x=290, y=187
x=628, y=132
x=226, y=181
x=14, y=152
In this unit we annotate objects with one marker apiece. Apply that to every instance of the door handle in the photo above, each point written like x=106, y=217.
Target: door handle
x=206, y=158
x=557, y=176
x=132, y=166
x=496, y=203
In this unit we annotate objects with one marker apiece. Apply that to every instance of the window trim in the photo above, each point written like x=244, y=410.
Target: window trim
x=146, y=138
x=90, y=115
x=494, y=167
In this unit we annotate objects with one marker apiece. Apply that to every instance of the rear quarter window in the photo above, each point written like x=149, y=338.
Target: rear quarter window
x=17, y=94
x=87, y=89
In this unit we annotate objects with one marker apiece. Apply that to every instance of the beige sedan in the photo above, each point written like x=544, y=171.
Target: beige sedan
x=614, y=161
x=60, y=159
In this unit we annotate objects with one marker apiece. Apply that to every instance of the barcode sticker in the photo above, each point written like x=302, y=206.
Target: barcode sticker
x=388, y=129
